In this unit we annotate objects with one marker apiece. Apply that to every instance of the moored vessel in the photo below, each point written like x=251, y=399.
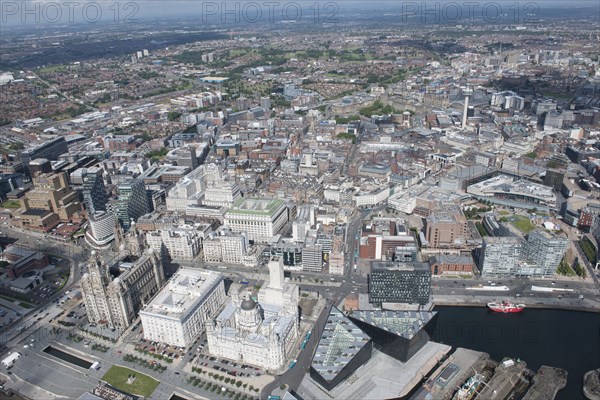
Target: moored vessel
x=506, y=307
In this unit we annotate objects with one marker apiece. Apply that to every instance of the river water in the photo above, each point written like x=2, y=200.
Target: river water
x=557, y=338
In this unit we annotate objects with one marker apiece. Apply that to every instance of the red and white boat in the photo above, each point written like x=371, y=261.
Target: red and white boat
x=506, y=307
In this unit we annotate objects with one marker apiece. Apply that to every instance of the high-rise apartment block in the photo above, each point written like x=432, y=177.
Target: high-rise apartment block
x=538, y=256
x=500, y=255
x=546, y=250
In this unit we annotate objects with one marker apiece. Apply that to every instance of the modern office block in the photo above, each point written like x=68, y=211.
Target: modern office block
x=394, y=282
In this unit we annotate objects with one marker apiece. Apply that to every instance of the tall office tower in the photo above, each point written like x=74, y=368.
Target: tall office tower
x=132, y=201
x=39, y=166
x=468, y=93
x=312, y=254
x=501, y=256
x=93, y=189
x=305, y=220
x=554, y=178
x=101, y=229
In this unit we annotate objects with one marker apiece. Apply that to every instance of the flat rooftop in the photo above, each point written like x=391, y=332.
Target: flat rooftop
x=399, y=266
x=265, y=206
x=182, y=292
x=444, y=381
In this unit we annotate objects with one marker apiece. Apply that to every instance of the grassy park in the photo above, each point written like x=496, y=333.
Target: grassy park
x=117, y=377
x=523, y=224
x=589, y=250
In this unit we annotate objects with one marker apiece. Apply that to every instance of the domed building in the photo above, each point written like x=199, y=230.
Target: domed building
x=260, y=333
x=248, y=316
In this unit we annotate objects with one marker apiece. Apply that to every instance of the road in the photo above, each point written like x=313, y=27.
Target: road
x=448, y=291
x=590, y=268
x=293, y=377
x=38, y=241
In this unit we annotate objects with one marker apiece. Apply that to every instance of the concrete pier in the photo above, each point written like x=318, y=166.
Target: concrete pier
x=591, y=384
x=546, y=383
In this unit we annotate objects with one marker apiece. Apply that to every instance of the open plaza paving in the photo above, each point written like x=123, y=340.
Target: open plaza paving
x=160, y=370
x=40, y=375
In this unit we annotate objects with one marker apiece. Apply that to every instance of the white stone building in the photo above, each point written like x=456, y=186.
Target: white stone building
x=187, y=192
x=182, y=242
x=261, y=219
x=178, y=313
x=372, y=198
x=305, y=221
x=221, y=194
x=259, y=333
x=226, y=246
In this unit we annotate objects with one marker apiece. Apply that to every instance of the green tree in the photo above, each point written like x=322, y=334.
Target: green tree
x=579, y=269
x=16, y=146
x=173, y=115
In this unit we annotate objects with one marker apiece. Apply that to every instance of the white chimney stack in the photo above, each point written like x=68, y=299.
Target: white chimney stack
x=464, y=117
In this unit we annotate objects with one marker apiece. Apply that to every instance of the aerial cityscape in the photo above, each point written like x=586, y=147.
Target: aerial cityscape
x=300, y=200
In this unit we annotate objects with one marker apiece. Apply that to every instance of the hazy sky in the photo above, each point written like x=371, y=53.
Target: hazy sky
x=61, y=12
